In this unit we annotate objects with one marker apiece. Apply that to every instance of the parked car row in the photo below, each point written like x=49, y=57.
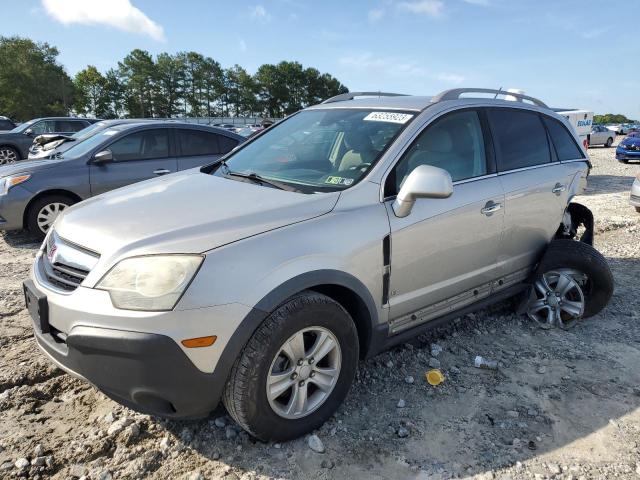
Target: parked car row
x=106, y=155
x=263, y=277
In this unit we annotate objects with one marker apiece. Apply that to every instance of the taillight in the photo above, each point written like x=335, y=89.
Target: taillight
x=585, y=142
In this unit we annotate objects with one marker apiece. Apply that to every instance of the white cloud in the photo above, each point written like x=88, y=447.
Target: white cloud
x=453, y=78
x=432, y=8
x=119, y=14
x=375, y=14
x=258, y=12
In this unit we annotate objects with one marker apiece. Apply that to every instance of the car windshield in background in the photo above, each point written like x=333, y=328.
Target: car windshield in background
x=319, y=150
x=23, y=126
x=92, y=142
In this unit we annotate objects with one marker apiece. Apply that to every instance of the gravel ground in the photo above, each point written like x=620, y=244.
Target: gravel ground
x=561, y=405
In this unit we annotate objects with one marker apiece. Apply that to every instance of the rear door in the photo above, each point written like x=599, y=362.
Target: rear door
x=137, y=156
x=535, y=186
x=198, y=147
x=444, y=253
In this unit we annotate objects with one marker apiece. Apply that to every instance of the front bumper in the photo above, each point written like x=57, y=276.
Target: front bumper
x=136, y=357
x=634, y=198
x=627, y=154
x=12, y=208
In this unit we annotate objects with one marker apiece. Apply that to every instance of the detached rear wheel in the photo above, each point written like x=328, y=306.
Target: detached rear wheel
x=296, y=369
x=573, y=281
x=44, y=212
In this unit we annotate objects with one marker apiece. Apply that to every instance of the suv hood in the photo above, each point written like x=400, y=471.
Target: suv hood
x=189, y=212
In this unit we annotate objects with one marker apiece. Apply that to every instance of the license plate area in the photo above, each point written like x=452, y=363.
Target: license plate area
x=38, y=306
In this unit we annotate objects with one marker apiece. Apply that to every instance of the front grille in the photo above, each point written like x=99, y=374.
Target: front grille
x=64, y=265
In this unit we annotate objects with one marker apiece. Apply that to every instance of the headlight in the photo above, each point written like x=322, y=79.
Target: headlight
x=151, y=283
x=7, y=182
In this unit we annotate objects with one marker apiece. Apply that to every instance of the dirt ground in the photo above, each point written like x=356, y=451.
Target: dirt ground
x=562, y=404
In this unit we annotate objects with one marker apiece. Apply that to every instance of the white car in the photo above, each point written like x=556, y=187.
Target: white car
x=614, y=128
x=601, y=135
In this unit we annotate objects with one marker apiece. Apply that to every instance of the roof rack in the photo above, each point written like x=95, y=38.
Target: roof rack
x=455, y=93
x=352, y=95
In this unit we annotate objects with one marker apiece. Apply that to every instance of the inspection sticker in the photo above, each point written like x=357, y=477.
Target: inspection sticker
x=391, y=117
x=339, y=181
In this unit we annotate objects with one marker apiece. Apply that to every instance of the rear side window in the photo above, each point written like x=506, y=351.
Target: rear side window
x=142, y=145
x=226, y=143
x=520, y=138
x=563, y=141
x=197, y=142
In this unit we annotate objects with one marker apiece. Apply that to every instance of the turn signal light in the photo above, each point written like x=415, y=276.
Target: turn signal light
x=199, y=342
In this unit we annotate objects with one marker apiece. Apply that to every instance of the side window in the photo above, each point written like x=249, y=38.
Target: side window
x=563, y=141
x=6, y=125
x=197, y=142
x=226, y=143
x=43, y=126
x=454, y=142
x=520, y=138
x=142, y=145
x=69, y=125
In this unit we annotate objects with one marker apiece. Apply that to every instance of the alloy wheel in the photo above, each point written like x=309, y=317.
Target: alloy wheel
x=7, y=155
x=48, y=214
x=304, y=372
x=557, y=299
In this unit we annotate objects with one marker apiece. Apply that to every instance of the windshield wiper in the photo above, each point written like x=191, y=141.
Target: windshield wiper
x=258, y=179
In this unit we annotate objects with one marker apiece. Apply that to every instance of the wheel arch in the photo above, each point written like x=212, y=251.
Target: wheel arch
x=45, y=193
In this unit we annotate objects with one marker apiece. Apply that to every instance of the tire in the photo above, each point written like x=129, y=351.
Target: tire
x=609, y=142
x=55, y=202
x=8, y=155
x=245, y=395
x=573, y=255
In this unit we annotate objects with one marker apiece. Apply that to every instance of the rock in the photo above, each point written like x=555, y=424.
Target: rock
x=186, y=435
x=230, y=432
x=401, y=403
x=194, y=476
x=389, y=364
x=435, y=349
x=542, y=369
x=104, y=475
x=110, y=417
x=277, y=445
x=6, y=466
x=409, y=379
x=327, y=463
x=165, y=443
x=554, y=468
x=220, y=422
x=77, y=470
x=119, y=425
x=49, y=461
x=315, y=444
x=532, y=413
x=434, y=363
x=403, y=432
x=134, y=430
x=21, y=463
x=39, y=462
x=512, y=414
x=39, y=450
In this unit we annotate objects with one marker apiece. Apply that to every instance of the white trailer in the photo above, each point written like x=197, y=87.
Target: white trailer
x=581, y=120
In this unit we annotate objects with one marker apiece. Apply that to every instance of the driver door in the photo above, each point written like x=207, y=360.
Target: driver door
x=444, y=254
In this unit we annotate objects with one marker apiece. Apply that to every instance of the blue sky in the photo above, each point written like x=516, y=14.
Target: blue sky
x=575, y=53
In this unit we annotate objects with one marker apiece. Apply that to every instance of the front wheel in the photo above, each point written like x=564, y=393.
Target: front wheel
x=8, y=155
x=609, y=142
x=572, y=281
x=44, y=211
x=296, y=369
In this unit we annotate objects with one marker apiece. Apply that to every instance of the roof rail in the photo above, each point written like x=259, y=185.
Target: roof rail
x=455, y=93
x=352, y=95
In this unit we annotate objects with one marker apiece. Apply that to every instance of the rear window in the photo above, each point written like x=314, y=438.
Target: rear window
x=563, y=141
x=226, y=143
x=197, y=142
x=520, y=137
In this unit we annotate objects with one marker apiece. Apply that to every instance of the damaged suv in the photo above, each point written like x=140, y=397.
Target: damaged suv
x=349, y=227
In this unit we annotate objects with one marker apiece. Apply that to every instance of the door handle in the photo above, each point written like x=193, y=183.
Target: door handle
x=161, y=171
x=490, y=208
x=559, y=188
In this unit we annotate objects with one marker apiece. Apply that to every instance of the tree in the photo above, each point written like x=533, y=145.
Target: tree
x=32, y=82
x=138, y=74
x=241, y=91
x=611, y=118
x=170, y=78
x=91, y=93
x=115, y=92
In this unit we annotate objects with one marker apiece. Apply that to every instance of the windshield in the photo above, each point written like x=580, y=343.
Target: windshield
x=319, y=150
x=89, y=131
x=23, y=126
x=92, y=142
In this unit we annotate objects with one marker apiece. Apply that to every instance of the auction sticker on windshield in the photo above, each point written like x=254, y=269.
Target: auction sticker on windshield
x=391, y=117
x=339, y=181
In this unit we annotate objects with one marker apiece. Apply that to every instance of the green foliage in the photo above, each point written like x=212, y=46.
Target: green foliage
x=32, y=83
x=612, y=118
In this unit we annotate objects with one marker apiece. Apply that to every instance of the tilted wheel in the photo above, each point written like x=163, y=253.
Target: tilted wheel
x=572, y=281
x=296, y=369
x=8, y=155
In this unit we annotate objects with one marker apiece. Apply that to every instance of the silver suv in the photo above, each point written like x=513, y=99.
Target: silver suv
x=349, y=227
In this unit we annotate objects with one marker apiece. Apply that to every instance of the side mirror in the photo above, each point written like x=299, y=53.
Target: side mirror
x=28, y=132
x=100, y=158
x=424, y=181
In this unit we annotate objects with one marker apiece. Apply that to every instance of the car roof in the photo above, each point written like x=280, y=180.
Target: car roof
x=147, y=124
